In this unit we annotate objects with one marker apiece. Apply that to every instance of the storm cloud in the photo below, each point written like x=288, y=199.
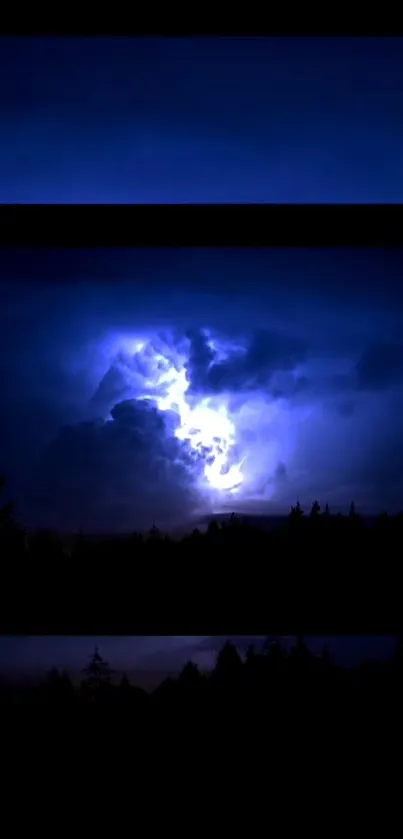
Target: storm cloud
x=251, y=364
x=124, y=472
x=153, y=397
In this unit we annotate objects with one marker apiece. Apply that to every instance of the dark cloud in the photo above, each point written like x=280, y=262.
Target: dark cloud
x=380, y=366
x=286, y=385
x=307, y=369
x=131, y=375
x=201, y=359
x=274, y=481
x=250, y=365
x=280, y=473
x=124, y=472
x=112, y=387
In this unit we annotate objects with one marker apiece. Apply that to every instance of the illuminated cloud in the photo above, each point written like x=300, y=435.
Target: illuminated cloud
x=223, y=433
x=131, y=400
x=155, y=447
x=250, y=363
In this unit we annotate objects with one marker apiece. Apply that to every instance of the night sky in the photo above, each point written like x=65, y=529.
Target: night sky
x=124, y=119
x=168, y=384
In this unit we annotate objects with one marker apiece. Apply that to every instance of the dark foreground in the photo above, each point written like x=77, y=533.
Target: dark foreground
x=316, y=572
x=278, y=705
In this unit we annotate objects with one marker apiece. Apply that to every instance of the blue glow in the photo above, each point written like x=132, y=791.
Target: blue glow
x=201, y=120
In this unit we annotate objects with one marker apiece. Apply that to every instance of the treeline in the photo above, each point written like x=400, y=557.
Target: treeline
x=271, y=716
x=318, y=527
x=332, y=572
x=275, y=675
x=273, y=702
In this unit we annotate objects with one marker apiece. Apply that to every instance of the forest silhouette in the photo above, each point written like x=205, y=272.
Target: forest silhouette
x=270, y=695
x=344, y=564
x=277, y=708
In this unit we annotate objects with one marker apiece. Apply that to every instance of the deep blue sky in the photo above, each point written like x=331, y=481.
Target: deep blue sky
x=125, y=119
x=147, y=659
x=293, y=361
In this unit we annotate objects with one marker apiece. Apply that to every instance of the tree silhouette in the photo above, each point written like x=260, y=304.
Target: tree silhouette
x=213, y=529
x=58, y=686
x=234, y=520
x=297, y=511
x=125, y=575
x=125, y=683
x=296, y=514
x=300, y=653
x=45, y=544
x=280, y=698
x=315, y=511
x=228, y=666
x=154, y=534
x=97, y=675
x=273, y=649
x=250, y=654
x=274, y=660
x=352, y=511
x=190, y=676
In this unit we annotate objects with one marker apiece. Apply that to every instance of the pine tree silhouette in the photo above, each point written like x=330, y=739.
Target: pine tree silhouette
x=190, y=676
x=315, y=510
x=97, y=674
x=296, y=514
x=228, y=666
x=154, y=534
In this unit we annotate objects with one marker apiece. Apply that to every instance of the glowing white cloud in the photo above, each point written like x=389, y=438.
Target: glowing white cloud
x=240, y=439
x=205, y=424
x=208, y=426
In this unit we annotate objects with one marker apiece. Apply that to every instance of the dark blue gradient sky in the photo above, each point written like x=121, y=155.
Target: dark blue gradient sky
x=168, y=384
x=124, y=119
